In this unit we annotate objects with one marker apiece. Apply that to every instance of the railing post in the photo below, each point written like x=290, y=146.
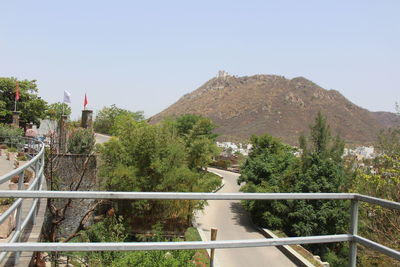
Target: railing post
x=213, y=238
x=19, y=216
x=353, y=231
x=37, y=186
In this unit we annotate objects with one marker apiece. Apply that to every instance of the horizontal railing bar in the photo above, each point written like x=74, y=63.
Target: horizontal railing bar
x=10, y=210
x=17, y=202
x=173, y=195
x=30, y=213
x=130, y=246
x=9, y=175
x=35, y=181
x=378, y=247
x=16, y=234
x=381, y=202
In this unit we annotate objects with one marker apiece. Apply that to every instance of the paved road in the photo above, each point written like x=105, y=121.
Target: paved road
x=101, y=138
x=232, y=223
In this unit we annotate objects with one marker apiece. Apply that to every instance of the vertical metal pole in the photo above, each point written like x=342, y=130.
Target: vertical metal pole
x=37, y=177
x=19, y=216
x=213, y=238
x=353, y=231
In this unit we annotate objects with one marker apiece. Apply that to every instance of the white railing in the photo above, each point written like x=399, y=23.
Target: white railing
x=351, y=237
x=35, y=153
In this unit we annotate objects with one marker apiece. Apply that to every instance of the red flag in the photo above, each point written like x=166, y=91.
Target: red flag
x=85, y=102
x=16, y=91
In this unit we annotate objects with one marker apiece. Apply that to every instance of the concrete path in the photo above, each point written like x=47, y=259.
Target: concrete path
x=233, y=223
x=31, y=232
x=5, y=167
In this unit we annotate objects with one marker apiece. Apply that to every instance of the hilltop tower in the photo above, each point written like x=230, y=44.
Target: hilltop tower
x=222, y=74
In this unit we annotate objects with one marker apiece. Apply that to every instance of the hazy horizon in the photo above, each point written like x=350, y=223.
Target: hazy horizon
x=145, y=56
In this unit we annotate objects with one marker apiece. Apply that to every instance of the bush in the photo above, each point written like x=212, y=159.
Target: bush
x=9, y=132
x=221, y=163
x=28, y=175
x=12, y=149
x=81, y=141
x=6, y=201
x=22, y=158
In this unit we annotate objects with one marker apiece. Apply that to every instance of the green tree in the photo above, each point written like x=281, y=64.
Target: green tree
x=105, y=118
x=55, y=110
x=113, y=230
x=268, y=168
x=320, y=170
x=31, y=106
x=272, y=167
x=145, y=157
x=199, y=139
x=192, y=126
x=382, y=181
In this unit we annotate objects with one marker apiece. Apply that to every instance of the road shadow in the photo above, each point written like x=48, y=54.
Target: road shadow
x=242, y=217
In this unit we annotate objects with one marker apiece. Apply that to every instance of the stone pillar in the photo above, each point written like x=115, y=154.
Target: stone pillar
x=15, y=118
x=87, y=119
x=62, y=138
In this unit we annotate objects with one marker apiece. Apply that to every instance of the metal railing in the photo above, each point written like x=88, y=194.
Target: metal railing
x=351, y=237
x=34, y=151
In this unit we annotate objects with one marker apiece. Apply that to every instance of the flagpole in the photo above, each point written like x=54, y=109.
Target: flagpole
x=16, y=95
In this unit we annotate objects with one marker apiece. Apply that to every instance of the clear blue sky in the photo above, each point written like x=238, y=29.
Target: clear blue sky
x=144, y=55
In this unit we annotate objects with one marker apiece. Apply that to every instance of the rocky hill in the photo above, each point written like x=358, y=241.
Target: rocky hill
x=242, y=106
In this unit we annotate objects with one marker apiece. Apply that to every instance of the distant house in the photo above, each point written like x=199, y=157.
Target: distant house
x=231, y=148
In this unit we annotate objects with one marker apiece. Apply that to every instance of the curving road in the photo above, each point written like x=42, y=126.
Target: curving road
x=101, y=138
x=233, y=222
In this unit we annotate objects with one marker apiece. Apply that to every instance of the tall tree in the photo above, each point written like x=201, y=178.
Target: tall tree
x=197, y=134
x=320, y=170
x=272, y=167
x=269, y=168
x=31, y=106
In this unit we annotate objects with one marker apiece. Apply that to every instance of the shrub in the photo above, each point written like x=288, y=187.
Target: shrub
x=81, y=141
x=6, y=201
x=12, y=149
x=8, y=133
x=22, y=158
x=28, y=175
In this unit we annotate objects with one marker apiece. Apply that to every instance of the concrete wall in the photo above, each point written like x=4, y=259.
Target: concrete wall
x=67, y=173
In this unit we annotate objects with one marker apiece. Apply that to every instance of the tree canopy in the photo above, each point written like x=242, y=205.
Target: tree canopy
x=143, y=157
x=382, y=181
x=106, y=118
x=31, y=106
x=272, y=167
x=55, y=110
x=197, y=134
